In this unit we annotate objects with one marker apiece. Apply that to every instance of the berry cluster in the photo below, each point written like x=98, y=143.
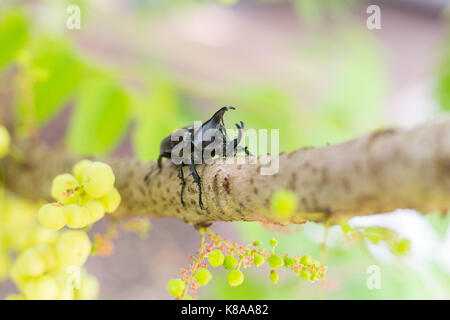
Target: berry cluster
x=5, y=140
x=18, y=229
x=48, y=263
x=49, y=271
x=82, y=197
x=397, y=245
x=234, y=257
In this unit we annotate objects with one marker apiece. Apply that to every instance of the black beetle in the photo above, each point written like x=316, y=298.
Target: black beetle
x=210, y=136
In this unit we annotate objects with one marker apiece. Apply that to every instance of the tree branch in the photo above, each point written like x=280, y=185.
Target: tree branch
x=375, y=173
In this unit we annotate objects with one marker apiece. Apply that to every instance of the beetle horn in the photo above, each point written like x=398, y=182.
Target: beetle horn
x=219, y=114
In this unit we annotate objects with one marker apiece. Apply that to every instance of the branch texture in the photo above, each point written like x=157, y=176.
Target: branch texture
x=376, y=173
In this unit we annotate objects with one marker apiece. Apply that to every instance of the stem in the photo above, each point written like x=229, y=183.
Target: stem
x=196, y=261
x=376, y=173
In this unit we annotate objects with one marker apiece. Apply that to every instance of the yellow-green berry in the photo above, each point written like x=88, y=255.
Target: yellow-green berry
x=216, y=258
x=175, y=287
x=289, y=262
x=64, y=188
x=274, y=276
x=275, y=261
x=98, y=179
x=305, y=274
x=230, y=262
x=258, y=260
x=111, y=200
x=52, y=216
x=306, y=260
x=284, y=203
x=80, y=168
x=77, y=216
x=96, y=210
x=400, y=247
x=202, y=276
x=235, y=278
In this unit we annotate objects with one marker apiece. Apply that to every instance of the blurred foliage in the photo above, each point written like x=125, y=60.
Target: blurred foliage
x=347, y=274
x=13, y=35
x=53, y=73
x=353, y=97
x=269, y=108
x=311, y=10
x=107, y=106
x=440, y=223
x=157, y=114
x=50, y=74
x=443, y=77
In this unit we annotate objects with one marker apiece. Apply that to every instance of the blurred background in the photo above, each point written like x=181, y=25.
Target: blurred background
x=137, y=69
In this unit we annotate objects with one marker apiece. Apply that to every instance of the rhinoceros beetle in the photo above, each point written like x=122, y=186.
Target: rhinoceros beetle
x=210, y=136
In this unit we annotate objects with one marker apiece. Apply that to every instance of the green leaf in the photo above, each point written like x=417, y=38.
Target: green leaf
x=350, y=98
x=13, y=36
x=377, y=234
x=100, y=116
x=49, y=77
x=279, y=112
x=442, y=89
x=157, y=116
x=440, y=222
x=62, y=74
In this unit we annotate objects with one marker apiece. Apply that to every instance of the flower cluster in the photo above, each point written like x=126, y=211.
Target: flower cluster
x=82, y=198
x=233, y=257
x=49, y=263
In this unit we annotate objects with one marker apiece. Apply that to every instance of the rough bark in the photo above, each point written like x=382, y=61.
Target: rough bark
x=375, y=173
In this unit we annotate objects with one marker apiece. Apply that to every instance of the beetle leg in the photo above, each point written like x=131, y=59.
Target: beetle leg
x=160, y=162
x=245, y=149
x=183, y=183
x=159, y=167
x=224, y=150
x=149, y=174
x=233, y=144
x=196, y=177
x=239, y=138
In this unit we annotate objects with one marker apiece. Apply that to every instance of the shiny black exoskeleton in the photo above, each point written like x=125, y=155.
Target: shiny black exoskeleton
x=203, y=143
